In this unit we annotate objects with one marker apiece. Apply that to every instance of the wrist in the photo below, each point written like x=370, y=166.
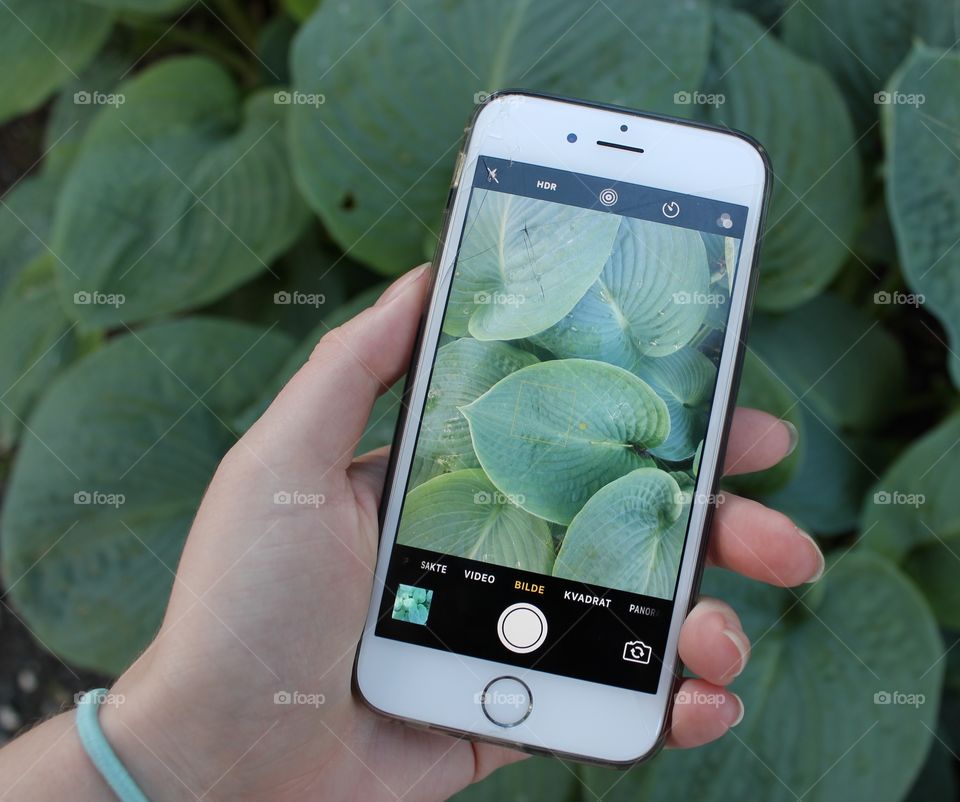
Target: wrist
x=139, y=723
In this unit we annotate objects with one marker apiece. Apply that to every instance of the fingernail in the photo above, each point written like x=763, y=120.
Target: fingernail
x=394, y=290
x=740, y=710
x=794, y=437
x=821, y=562
x=743, y=646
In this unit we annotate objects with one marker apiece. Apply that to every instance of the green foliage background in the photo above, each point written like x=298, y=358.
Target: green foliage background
x=211, y=170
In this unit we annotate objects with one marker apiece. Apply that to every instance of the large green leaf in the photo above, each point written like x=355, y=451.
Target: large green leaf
x=649, y=300
x=629, y=535
x=374, y=160
x=923, y=188
x=104, y=488
x=43, y=44
x=817, y=725
x=523, y=264
x=795, y=110
x=861, y=42
x=685, y=381
x=173, y=199
x=463, y=514
x=37, y=341
x=464, y=370
x=912, y=516
x=25, y=223
x=552, y=434
x=849, y=370
x=142, y=6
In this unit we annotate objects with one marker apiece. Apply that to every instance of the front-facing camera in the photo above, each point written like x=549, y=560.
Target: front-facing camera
x=571, y=137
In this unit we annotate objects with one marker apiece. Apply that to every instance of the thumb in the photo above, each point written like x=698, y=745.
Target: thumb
x=321, y=413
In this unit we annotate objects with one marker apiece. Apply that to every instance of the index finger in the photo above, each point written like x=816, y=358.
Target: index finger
x=757, y=441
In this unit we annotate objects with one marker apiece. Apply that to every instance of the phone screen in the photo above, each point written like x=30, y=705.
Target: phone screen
x=546, y=511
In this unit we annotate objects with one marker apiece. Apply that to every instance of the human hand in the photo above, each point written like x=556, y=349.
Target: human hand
x=272, y=598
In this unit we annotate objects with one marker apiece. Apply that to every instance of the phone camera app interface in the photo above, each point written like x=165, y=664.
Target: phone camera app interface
x=559, y=446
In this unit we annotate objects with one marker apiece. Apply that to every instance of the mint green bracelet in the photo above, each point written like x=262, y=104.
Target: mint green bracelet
x=98, y=750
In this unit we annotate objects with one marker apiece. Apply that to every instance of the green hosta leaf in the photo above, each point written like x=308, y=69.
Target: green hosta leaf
x=300, y=9
x=523, y=264
x=463, y=514
x=43, y=44
x=913, y=516
x=792, y=743
x=629, y=535
x=648, y=301
x=142, y=6
x=25, y=224
x=173, y=199
x=37, y=341
x=861, y=42
x=375, y=159
x=923, y=188
x=464, y=370
x=685, y=381
x=795, y=110
x=552, y=434
x=105, y=486
x=762, y=388
x=850, y=370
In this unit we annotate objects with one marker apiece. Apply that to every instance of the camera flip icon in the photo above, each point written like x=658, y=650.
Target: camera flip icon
x=636, y=651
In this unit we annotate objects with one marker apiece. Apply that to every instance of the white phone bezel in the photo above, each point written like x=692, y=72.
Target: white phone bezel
x=585, y=720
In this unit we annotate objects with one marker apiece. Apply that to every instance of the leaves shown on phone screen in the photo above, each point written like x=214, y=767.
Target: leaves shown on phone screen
x=464, y=514
x=523, y=264
x=629, y=535
x=649, y=300
x=554, y=433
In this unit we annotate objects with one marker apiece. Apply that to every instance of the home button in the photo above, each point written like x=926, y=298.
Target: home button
x=506, y=701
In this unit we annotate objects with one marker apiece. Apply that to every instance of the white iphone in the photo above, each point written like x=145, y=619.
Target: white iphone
x=544, y=519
